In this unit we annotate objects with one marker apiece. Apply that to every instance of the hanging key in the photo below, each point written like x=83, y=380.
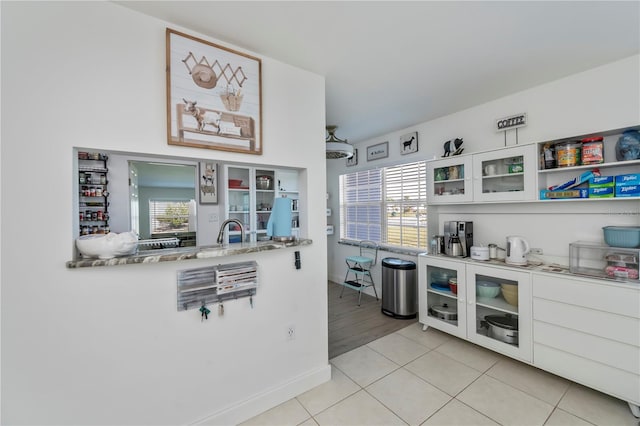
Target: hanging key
x=204, y=312
x=251, y=301
x=220, y=310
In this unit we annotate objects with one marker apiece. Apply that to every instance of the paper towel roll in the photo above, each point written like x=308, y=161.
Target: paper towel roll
x=279, y=224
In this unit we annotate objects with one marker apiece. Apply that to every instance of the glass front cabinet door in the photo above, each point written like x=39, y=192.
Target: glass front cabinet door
x=264, y=201
x=239, y=197
x=441, y=304
x=250, y=197
x=489, y=306
x=505, y=174
x=449, y=180
x=499, y=310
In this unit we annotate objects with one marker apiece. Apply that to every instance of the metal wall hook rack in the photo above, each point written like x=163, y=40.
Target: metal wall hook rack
x=216, y=284
x=207, y=301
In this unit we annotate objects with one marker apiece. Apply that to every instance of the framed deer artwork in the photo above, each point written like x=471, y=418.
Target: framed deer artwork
x=214, y=96
x=409, y=143
x=208, y=178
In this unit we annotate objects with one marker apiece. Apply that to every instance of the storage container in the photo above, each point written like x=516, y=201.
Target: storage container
x=622, y=236
x=568, y=154
x=592, y=150
x=601, y=261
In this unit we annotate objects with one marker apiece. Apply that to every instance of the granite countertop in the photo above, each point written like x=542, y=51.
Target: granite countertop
x=537, y=266
x=186, y=253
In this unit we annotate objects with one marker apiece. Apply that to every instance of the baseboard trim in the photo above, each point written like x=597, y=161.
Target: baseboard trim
x=263, y=401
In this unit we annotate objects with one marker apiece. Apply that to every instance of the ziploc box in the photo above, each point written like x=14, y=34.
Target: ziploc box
x=628, y=191
x=601, y=192
x=601, y=182
x=630, y=179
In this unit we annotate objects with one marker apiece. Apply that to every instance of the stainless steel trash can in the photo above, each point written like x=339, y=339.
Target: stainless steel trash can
x=399, y=288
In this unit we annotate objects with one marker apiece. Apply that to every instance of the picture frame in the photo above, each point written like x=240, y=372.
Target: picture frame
x=378, y=151
x=353, y=161
x=409, y=143
x=208, y=182
x=214, y=96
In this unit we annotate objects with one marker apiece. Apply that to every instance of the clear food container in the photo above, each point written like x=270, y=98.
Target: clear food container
x=602, y=261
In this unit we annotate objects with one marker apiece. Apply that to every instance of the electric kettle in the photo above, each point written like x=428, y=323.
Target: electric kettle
x=517, y=249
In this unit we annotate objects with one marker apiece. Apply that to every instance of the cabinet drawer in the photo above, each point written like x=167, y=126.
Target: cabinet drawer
x=619, y=383
x=595, y=348
x=602, y=324
x=603, y=297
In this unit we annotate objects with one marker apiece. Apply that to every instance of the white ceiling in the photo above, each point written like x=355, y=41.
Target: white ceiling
x=390, y=65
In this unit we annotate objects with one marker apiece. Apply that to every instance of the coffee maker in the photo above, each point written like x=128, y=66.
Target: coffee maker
x=458, y=232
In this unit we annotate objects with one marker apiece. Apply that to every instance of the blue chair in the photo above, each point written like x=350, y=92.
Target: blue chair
x=359, y=269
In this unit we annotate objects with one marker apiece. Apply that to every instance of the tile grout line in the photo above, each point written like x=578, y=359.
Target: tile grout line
x=388, y=408
x=569, y=412
x=305, y=409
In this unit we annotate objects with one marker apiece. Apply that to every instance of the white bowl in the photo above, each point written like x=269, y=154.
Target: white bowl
x=107, y=246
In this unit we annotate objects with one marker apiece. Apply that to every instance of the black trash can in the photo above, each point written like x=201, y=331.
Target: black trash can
x=399, y=288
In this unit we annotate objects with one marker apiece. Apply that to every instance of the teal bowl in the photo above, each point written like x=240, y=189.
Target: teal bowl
x=487, y=289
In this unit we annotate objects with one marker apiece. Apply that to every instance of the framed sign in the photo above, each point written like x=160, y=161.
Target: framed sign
x=214, y=96
x=208, y=178
x=512, y=122
x=375, y=152
x=409, y=143
x=354, y=159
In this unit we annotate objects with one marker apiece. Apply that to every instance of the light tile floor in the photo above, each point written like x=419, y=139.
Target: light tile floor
x=430, y=378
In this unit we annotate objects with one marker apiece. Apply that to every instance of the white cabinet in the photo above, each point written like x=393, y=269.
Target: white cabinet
x=449, y=180
x=465, y=314
x=556, y=175
x=435, y=299
x=287, y=186
x=239, y=197
x=507, y=174
x=588, y=331
x=250, y=195
x=502, y=175
x=512, y=302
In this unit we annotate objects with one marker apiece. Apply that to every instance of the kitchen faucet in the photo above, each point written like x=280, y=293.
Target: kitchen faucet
x=225, y=223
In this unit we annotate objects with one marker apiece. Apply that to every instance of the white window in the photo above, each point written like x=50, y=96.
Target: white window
x=169, y=215
x=361, y=205
x=386, y=205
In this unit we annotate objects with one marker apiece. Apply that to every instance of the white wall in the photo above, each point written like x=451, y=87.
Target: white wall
x=597, y=100
x=107, y=345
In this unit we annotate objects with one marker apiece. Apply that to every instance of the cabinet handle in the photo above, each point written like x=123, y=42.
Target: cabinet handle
x=461, y=301
x=471, y=302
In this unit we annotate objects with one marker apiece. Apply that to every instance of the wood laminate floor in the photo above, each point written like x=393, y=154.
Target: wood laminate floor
x=351, y=326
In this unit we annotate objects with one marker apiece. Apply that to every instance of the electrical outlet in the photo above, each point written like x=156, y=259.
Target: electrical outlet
x=291, y=332
x=536, y=251
x=213, y=217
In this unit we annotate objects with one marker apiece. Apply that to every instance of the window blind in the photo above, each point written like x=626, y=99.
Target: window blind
x=405, y=196
x=360, y=205
x=385, y=205
x=168, y=216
